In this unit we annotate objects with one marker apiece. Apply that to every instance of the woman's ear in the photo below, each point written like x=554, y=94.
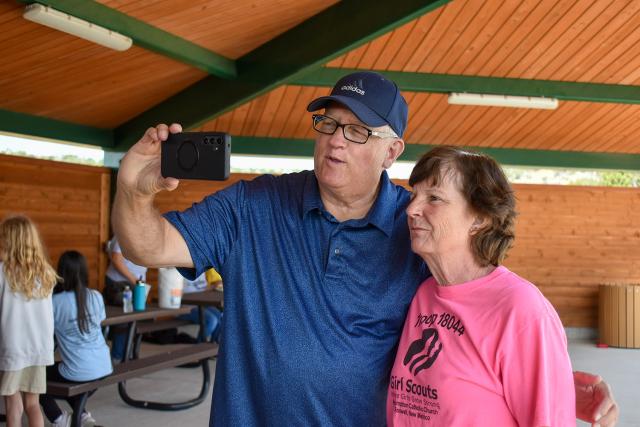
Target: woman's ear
x=479, y=222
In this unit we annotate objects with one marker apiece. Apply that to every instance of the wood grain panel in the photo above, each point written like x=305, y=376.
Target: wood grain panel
x=231, y=28
x=69, y=204
x=49, y=73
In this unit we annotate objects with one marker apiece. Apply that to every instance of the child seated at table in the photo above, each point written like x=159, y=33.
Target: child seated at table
x=212, y=316
x=77, y=313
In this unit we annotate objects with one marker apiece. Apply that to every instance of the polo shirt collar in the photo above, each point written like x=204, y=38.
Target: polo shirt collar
x=381, y=215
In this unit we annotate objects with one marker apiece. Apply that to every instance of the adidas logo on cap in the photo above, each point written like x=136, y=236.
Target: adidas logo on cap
x=356, y=87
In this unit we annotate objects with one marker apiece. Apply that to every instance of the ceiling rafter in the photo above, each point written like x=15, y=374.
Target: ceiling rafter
x=445, y=83
x=145, y=35
x=43, y=127
x=338, y=29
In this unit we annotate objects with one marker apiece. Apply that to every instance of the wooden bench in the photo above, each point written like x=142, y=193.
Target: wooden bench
x=135, y=368
x=148, y=326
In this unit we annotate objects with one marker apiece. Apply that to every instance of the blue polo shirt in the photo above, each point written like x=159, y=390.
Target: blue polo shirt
x=313, y=307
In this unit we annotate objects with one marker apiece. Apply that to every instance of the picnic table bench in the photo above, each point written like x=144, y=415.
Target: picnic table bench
x=135, y=367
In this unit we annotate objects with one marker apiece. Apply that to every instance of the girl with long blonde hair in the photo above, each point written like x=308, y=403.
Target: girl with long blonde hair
x=26, y=319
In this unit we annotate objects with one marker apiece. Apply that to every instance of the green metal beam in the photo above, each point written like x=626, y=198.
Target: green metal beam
x=26, y=124
x=338, y=29
x=412, y=152
x=145, y=35
x=444, y=83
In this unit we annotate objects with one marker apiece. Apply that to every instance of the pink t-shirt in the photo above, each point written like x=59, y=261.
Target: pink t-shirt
x=489, y=352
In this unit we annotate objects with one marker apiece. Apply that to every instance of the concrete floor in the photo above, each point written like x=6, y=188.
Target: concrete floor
x=620, y=367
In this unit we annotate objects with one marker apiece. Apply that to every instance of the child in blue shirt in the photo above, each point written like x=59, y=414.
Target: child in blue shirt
x=77, y=313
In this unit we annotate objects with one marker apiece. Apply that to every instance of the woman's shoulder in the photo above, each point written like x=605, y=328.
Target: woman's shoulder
x=522, y=298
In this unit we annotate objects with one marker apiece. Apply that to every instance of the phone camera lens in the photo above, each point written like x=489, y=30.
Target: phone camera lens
x=206, y=140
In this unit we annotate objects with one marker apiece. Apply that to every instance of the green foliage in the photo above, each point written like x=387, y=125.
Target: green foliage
x=620, y=179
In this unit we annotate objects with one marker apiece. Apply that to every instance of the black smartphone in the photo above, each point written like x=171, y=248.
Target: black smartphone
x=196, y=155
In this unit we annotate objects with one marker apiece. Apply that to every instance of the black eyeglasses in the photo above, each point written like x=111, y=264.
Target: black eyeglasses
x=354, y=133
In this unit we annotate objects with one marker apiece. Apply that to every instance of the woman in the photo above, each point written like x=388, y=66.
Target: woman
x=77, y=313
x=26, y=319
x=481, y=345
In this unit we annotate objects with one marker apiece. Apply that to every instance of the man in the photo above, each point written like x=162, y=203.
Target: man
x=317, y=265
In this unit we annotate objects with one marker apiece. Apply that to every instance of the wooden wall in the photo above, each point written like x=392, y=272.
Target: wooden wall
x=568, y=239
x=69, y=203
x=571, y=239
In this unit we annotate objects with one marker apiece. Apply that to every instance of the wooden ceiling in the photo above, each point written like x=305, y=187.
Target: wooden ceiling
x=250, y=68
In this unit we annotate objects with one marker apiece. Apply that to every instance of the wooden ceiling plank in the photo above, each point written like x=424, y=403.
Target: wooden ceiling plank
x=598, y=69
x=461, y=33
x=417, y=113
x=26, y=124
x=629, y=130
x=224, y=121
x=538, y=31
x=589, y=33
x=621, y=33
x=431, y=109
x=577, y=134
x=554, y=124
x=272, y=109
x=399, y=37
x=146, y=36
x=455, y=136
x=423, y=118
x=287, y=103
x=625, y=124
x=299, y=112
x=629, y=73
x=486, y=24
x=458, y=116
x=504, y=38
x=374, y=50
x=420, y=29
x=557, y=39
x=511, y=121
x=352, y=58
x=307, y=46
x=252, y=122
x=238, y=117
x=436, y=36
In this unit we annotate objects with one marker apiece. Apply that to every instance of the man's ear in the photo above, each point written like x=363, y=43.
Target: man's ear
x=395, y=149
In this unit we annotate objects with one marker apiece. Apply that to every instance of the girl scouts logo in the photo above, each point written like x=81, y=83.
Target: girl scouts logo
x=420, y=355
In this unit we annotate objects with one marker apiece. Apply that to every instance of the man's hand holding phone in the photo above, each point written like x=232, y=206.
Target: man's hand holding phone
x=140, y=170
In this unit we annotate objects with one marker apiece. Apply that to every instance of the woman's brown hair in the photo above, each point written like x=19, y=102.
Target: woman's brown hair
x=487, y=190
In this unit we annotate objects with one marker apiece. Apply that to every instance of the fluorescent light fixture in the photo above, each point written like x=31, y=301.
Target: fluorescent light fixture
x=503, y=101
x=78, y=27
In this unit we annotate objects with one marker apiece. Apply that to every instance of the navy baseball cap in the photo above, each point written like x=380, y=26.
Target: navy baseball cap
x=375, y=100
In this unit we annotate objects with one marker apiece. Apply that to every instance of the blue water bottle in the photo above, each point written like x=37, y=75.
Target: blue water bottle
x=139, y=296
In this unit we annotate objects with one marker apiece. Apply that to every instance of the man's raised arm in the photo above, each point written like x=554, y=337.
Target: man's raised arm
x=145, y=237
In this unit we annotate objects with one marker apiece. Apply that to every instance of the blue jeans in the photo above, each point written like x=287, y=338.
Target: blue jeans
x=118, y=343
x=212, y=321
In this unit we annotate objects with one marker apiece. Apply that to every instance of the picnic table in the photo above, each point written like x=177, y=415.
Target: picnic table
x=131, y=368
x=206, y=298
